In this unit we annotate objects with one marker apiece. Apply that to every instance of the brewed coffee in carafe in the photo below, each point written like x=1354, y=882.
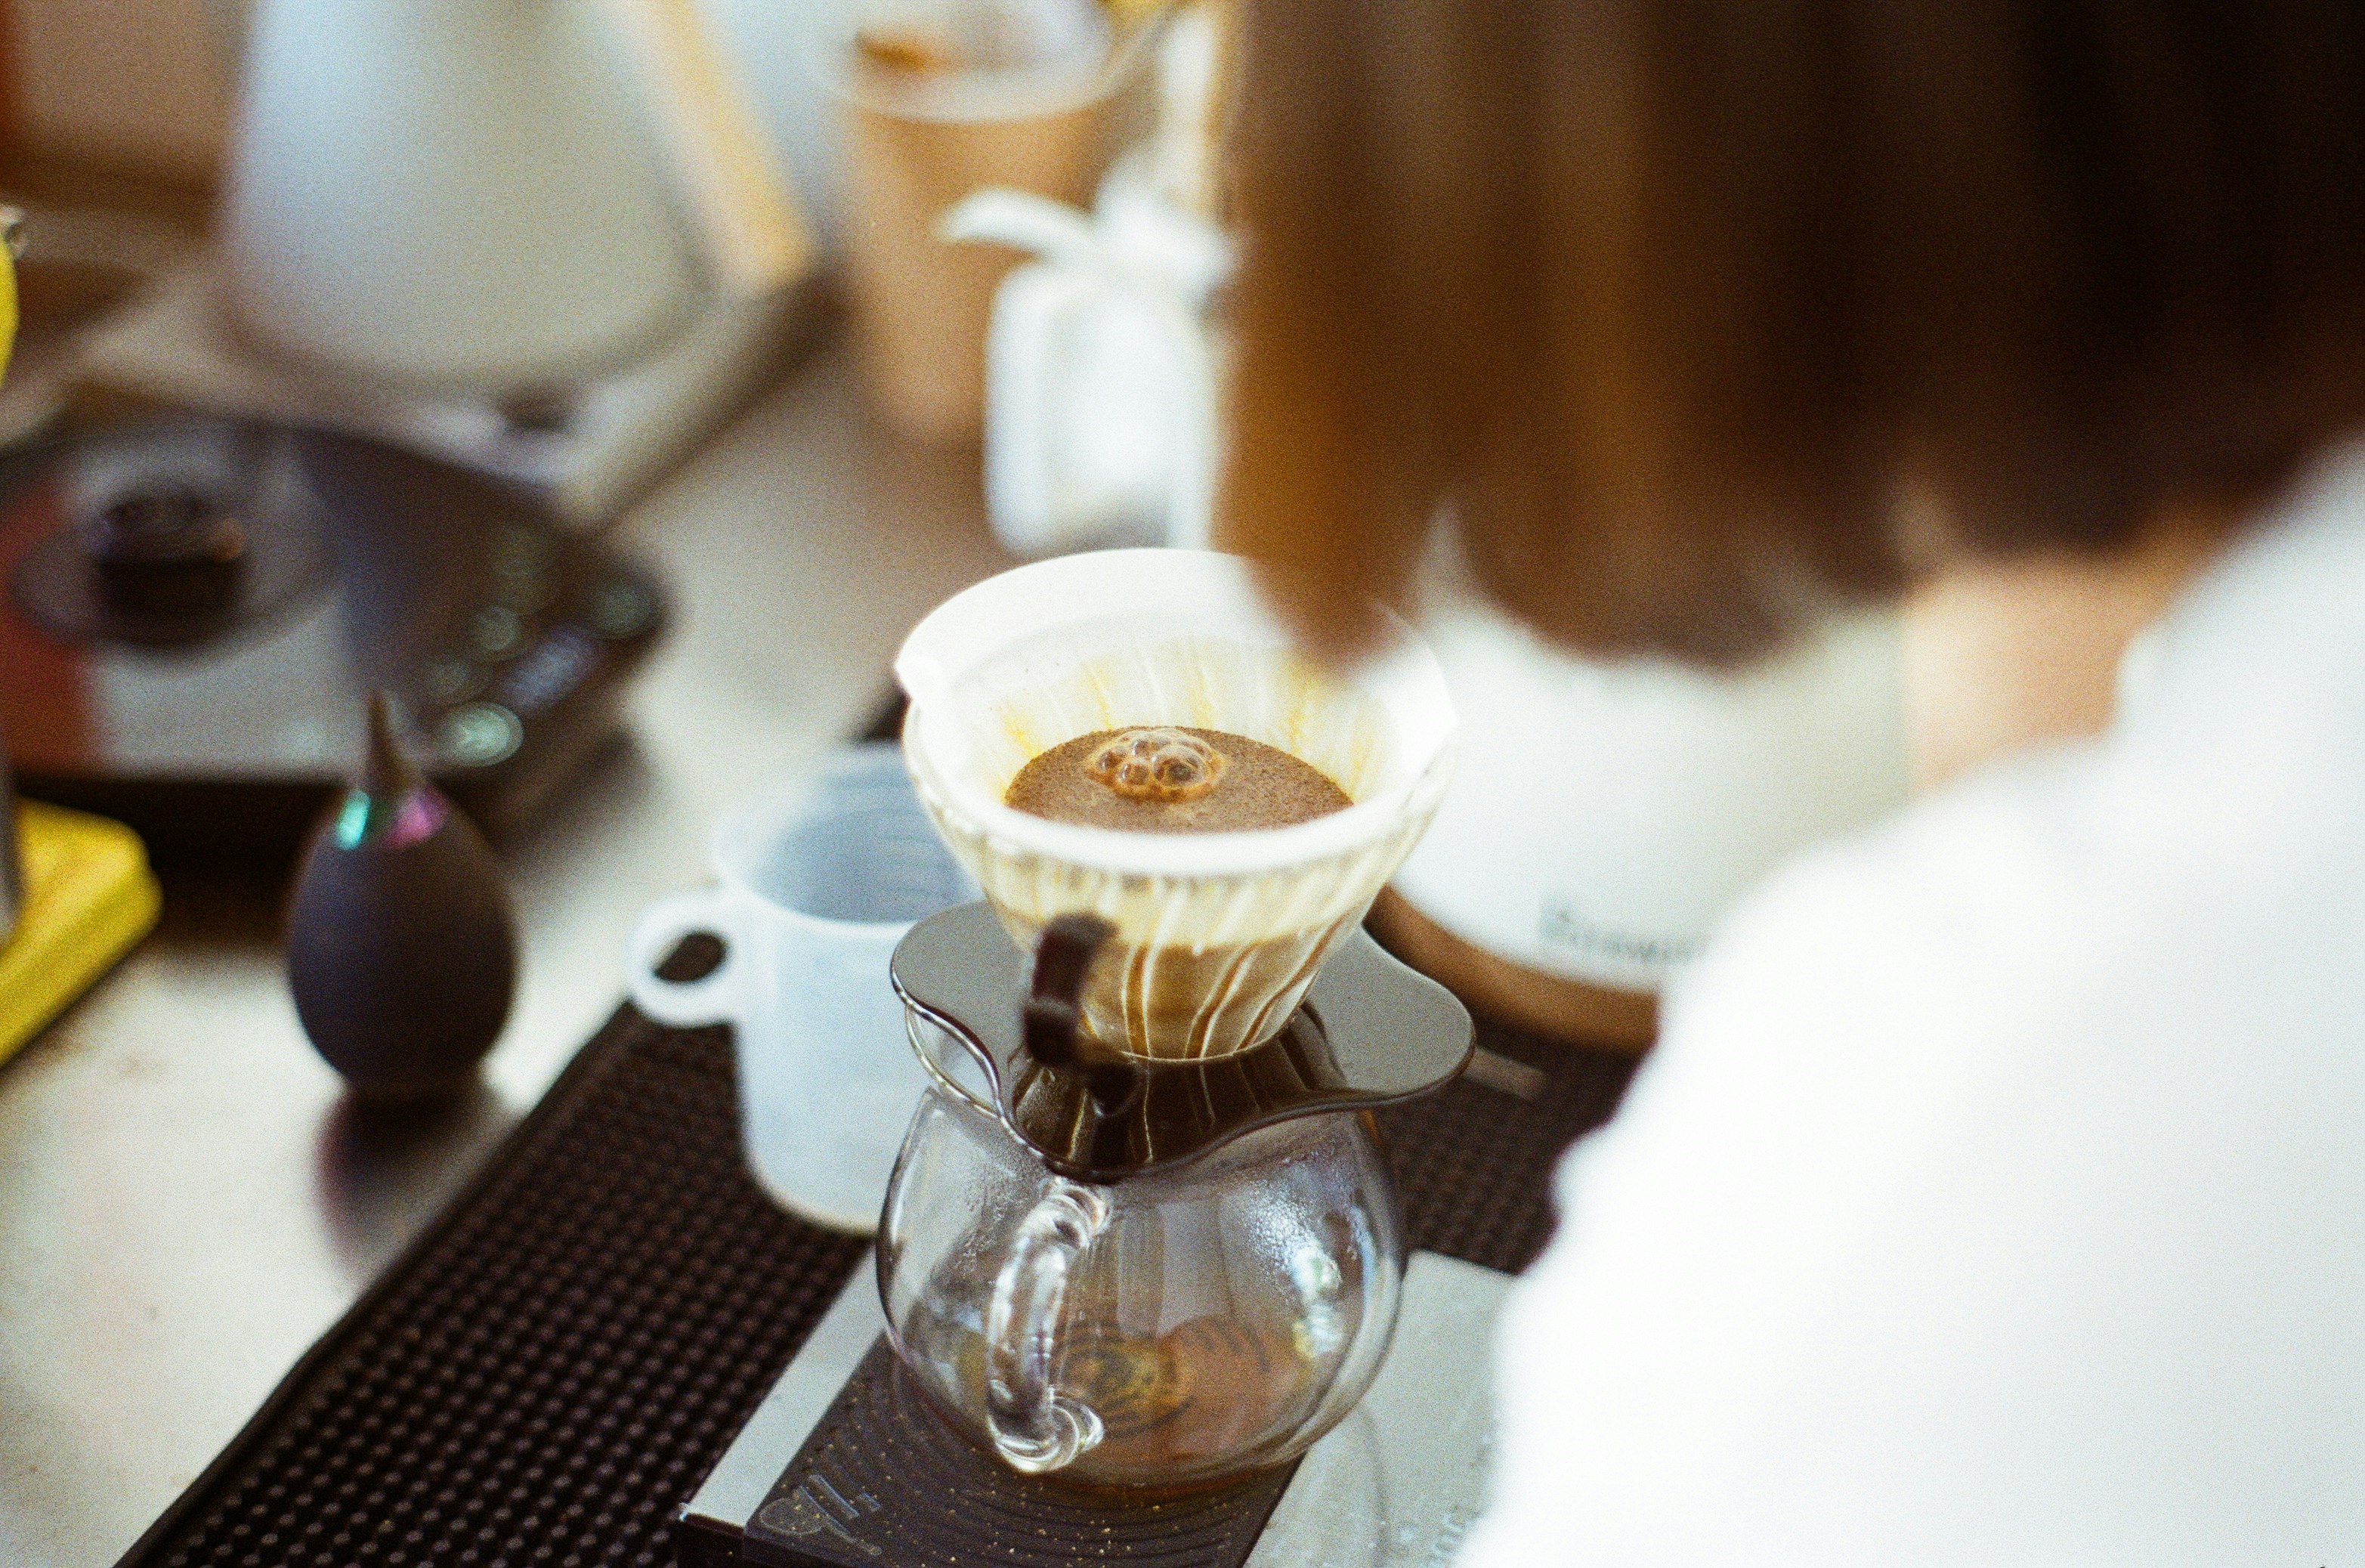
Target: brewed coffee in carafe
x=1205, y=1327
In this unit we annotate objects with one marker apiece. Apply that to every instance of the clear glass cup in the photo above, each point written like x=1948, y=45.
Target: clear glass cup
x=1166, y=1331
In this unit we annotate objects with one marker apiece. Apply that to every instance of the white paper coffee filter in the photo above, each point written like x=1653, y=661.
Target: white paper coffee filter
x=1049, y=651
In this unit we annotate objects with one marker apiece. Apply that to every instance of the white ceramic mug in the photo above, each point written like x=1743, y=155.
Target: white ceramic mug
x=814, y=889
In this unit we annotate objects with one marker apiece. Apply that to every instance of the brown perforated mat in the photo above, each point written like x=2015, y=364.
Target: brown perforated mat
x=549, y=1370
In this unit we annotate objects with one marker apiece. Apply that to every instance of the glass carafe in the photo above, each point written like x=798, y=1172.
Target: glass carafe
x=1140, y=1234
x=1166, y=1330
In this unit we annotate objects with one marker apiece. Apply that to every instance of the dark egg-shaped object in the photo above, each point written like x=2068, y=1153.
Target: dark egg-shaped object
x=401, y=949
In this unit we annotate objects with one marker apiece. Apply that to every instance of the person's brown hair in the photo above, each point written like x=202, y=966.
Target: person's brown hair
x=1675, y=309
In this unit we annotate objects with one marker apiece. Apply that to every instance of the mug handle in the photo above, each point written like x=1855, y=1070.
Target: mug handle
x=1034, y=1424
x=683, y=1004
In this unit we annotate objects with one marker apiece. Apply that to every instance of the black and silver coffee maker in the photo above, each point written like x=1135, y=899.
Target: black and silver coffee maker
x=1141, y=1249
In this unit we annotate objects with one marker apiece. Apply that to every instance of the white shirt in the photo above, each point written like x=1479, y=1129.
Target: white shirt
x=1997, y=1191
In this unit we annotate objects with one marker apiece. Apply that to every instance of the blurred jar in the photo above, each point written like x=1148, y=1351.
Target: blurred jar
x=938, y=99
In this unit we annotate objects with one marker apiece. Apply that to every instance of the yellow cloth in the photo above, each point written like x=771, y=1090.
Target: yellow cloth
x=7, y=305
x=89, y=897
x=88, y=893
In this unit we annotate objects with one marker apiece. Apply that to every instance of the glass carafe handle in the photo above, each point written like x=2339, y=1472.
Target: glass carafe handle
x=1034, y=1427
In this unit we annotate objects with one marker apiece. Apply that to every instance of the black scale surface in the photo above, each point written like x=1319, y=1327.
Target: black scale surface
x=553, y=1366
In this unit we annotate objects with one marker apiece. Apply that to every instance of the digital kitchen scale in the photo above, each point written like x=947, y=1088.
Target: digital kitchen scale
x=844, y=1465
x=194, y=613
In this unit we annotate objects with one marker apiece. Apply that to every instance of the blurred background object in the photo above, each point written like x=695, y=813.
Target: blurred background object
x=138, y=89
x=773, y=43
x=113, y=121
x=193, y=614
x=395, y=212
x=12, y=869
x=82, y=258
x=1607, y=815
x=87, y=899
x=76, y=892
x=408, y=254
x=362, y=201
x=443, y=196
x=1102, y=408
x=12, y=857
x=941, y=98
x=1103, y=361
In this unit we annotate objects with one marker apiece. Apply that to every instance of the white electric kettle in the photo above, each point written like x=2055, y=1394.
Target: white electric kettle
x=469, y=195
x=1607, y=815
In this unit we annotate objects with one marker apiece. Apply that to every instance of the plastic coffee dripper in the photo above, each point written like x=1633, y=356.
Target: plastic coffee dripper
x=1216, y=935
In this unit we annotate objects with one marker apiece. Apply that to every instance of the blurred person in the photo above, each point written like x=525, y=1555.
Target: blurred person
x=1993, y=1193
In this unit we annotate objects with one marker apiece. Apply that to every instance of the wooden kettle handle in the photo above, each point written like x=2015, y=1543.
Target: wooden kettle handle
x=733, y=191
